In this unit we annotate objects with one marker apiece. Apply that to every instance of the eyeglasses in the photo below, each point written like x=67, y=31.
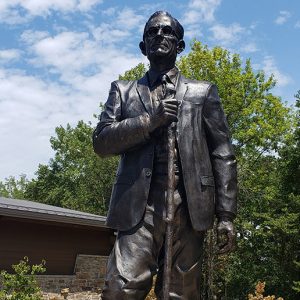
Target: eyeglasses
x=165, y=30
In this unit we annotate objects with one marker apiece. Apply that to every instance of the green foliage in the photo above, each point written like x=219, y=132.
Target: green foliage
x=135, y=73
x=75, y=178
x=22, y=285
x=266, y=138
x=267, y=221
x=14, y=188
x=296, y=284
x=268, y=224
x=258, y=120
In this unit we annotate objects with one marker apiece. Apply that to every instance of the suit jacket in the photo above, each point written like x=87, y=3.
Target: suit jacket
x=205, y=150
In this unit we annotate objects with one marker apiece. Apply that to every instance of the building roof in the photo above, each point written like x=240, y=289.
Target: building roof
x=39, y=211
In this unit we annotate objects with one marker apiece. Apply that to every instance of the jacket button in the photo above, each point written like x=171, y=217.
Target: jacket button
x=148, y=173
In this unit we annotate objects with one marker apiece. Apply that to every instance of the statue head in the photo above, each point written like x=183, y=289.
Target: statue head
x=162, y=38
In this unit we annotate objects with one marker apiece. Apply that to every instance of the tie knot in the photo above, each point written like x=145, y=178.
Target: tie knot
x=168, y=88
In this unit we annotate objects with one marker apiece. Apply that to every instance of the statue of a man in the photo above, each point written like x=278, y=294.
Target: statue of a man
x=134, y=125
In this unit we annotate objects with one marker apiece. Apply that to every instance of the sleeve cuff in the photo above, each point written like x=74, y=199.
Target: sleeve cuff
x=225, y=216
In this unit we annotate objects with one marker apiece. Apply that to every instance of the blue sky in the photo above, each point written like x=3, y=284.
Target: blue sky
x=58, y=57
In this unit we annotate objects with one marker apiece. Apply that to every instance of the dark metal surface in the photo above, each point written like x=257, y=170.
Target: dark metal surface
x=170, y=213
x=138, y=254
x=133, y=125
x=169, y=92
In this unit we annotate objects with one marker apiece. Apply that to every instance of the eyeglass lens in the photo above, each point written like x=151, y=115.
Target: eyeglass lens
x=166, y=30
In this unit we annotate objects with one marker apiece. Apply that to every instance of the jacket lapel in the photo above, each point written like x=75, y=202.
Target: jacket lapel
x=180, y=92
x=181, y=88
x=144, y=93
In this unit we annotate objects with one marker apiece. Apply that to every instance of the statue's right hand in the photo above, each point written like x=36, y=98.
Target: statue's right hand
x=164, y=114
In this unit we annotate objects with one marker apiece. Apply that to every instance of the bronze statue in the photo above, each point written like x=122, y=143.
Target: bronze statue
x=137, y=124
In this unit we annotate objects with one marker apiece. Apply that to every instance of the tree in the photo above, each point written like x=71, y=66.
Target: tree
x=289, y=192
x=268, y=225
x=14, y=188
x=75, y=178
x=262, y=130
x=22, y=285
x=135, y=73
x=259, y=124
x=258, y=120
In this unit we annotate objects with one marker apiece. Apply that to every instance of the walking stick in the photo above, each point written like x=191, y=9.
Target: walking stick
x=170, y=92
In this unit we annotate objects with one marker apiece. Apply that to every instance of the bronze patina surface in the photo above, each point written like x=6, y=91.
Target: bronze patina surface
x=176, y=174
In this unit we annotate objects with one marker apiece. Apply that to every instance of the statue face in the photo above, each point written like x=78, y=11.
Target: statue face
x=160, y=38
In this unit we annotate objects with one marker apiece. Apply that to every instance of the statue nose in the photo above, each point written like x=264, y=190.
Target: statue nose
x=160, y=31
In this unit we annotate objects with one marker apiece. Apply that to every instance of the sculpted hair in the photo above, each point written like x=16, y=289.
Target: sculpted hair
x=179, y=29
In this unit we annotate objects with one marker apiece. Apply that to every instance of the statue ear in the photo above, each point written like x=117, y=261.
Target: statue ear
x=180, y=46
x=143, y=48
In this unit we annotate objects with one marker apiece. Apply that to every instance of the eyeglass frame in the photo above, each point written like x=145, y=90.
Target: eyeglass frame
x=161, y=28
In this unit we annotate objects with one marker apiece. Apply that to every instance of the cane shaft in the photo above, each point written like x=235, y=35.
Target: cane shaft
x=170, y=212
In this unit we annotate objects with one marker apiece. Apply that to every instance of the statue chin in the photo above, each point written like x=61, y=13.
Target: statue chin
x=162, y=57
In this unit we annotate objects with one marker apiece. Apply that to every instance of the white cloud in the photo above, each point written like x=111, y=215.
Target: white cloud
x=284, y=15
x=18, y=11
x=73, y=71
x=270, y=67
x=8, y=55
x=109, y=11
x=30, y=36
x=86, y=5
x=63, y=51
x=128, y=19
x=199, y=11
x=74, y=55
x=297, y=24
x=227, y=35
x=249, y=48
x=108, y=34
x=31, y=107
x=193, y=31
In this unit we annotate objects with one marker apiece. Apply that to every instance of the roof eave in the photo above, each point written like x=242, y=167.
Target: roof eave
x=51, y=217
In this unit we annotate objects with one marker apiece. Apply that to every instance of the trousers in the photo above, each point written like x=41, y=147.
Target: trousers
x=138, y=253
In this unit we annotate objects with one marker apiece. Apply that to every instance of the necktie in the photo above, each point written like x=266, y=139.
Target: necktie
x=168, y=89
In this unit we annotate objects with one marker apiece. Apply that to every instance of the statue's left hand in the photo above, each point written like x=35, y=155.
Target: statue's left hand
x=226, y=236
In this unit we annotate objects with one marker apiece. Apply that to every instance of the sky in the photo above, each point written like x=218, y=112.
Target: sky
x=58, y=58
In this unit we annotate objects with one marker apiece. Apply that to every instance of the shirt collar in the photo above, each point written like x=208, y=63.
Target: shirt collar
x=154, y=76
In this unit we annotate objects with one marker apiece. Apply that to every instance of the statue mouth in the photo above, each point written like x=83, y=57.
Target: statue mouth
x=160, y=45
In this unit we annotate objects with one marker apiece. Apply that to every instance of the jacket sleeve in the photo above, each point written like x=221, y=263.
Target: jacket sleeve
x=221, y=155
x=115, y=135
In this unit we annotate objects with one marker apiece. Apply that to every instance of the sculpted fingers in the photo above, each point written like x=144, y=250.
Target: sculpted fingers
x=226, y=237
x=171, y=101
x=170, y=108
x=165, y=114
x=229, y=245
